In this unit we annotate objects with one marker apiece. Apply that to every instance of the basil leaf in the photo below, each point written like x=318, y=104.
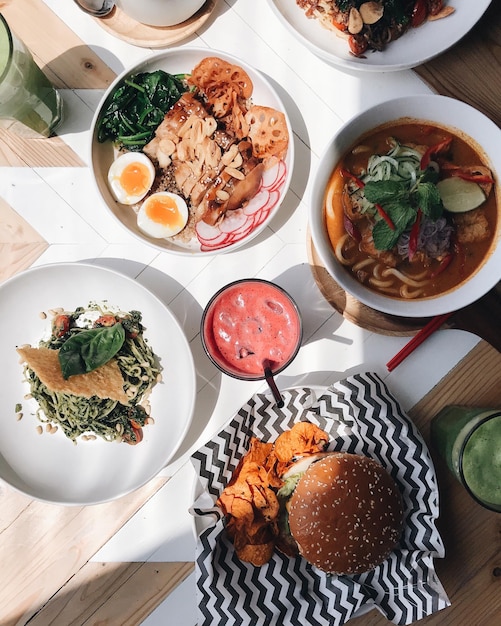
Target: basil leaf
x=89, y=349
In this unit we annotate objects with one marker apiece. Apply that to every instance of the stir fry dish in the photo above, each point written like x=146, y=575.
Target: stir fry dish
x=411, y=210
x=372, y=25
x=198, y=160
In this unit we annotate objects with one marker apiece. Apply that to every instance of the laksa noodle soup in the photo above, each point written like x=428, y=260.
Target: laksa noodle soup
x=411, y=209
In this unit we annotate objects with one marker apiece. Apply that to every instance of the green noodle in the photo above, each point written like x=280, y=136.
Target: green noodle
x=105, y=418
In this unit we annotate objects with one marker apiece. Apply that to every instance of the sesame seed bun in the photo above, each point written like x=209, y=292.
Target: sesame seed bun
x=346, y=514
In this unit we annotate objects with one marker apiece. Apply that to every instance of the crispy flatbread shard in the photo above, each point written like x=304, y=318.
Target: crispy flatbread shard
x=105, y=382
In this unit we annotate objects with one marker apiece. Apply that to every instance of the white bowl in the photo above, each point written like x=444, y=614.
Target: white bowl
x=178, y=61
x=445, y=112
x=160, y=12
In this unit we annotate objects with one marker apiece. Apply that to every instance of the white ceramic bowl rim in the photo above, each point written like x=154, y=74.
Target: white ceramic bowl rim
x=441, y=110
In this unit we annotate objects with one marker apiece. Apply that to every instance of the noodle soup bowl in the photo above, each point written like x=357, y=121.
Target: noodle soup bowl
x=463, y=121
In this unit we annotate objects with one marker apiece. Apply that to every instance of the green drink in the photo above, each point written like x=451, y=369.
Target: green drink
x=469, y=439
x=29, y=104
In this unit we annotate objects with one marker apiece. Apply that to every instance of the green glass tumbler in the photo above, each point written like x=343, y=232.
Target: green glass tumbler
x=469, y=440
x=29, y=104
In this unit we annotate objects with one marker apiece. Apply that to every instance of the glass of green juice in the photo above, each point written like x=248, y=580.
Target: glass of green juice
x=29, y=104
x=469, y=440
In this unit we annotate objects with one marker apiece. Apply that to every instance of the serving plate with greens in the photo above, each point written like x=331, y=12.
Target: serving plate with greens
x=226, y=167
x=48, y=465
x=415, y=47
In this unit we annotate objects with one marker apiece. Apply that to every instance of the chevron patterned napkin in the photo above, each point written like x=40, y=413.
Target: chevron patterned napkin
x=362, y=417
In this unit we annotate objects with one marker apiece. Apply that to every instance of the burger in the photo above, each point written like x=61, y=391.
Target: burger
x=342, y=512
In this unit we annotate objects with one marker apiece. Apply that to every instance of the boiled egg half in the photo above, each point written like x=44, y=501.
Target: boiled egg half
x=130, y=177
x=163, y=214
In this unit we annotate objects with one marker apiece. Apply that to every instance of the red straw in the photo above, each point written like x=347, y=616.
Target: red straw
x=433, y=325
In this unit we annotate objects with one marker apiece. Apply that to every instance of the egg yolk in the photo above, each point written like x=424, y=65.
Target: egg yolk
x=163, y=210
x=135, y=178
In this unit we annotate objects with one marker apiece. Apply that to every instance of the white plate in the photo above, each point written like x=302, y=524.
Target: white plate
x=178, y=61
x=51, y=467
x=415, y=47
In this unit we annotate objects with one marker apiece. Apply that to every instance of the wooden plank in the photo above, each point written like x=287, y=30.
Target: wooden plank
x=113, y=593
x=69, y=64
x=48, y=545
x=20, y=244
x=67, y=61
x=471, y=70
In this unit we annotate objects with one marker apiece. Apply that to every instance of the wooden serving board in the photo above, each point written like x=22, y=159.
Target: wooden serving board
x=120, y=25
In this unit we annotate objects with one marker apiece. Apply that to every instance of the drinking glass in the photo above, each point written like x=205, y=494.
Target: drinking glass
x=29, y=104
x=469, y=440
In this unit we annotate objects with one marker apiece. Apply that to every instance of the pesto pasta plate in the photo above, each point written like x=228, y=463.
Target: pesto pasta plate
x=120, y=358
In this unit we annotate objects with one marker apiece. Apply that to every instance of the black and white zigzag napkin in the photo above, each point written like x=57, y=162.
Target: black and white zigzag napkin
x=362, y=417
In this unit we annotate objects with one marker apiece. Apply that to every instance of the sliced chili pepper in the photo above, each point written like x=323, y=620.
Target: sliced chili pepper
x=419, y=13
x=443, y=265
x=474, y=178
x=442, y=146
x=347, y=174
x=414, y=235
x=351, y=228
x=385, y=216
x=360, y=184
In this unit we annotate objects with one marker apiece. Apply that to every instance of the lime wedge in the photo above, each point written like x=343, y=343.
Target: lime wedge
x=459, y=196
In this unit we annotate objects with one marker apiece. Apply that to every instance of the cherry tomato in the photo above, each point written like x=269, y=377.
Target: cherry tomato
x=419, y=13
x=357, y=44
x=61, y=325
x=105, y=320
x=137, y=432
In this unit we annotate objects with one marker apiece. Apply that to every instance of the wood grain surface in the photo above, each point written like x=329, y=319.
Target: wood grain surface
x=68, y=63
x=47, y=576
x=471, y=570
x=120, y=25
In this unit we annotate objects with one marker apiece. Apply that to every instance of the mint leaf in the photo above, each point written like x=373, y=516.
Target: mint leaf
x=429, y=200
x=402, y=216
x=89, y=349
x=384, y=191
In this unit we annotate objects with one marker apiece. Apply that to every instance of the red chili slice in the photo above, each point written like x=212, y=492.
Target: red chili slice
x=385, y=216
x=347, y=174
x=433, y=150
x=474, y=178
x=443, y=265
x=413, y=237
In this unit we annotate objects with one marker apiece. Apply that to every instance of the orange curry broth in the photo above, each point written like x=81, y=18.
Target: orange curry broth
x=462, y=152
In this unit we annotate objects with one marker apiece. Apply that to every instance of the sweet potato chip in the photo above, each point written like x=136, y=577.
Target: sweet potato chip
x=303, y=438
x=258, y=554
x=249, y=501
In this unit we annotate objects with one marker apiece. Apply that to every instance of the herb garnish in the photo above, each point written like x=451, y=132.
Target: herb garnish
x=137, y=107
x=401, y=202
x=89, y=349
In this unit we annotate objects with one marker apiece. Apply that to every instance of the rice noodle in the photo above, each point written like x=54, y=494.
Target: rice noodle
x=406, y=293
x=403, y=277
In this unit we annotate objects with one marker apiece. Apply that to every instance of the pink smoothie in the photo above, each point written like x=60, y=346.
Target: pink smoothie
x=249, y=323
